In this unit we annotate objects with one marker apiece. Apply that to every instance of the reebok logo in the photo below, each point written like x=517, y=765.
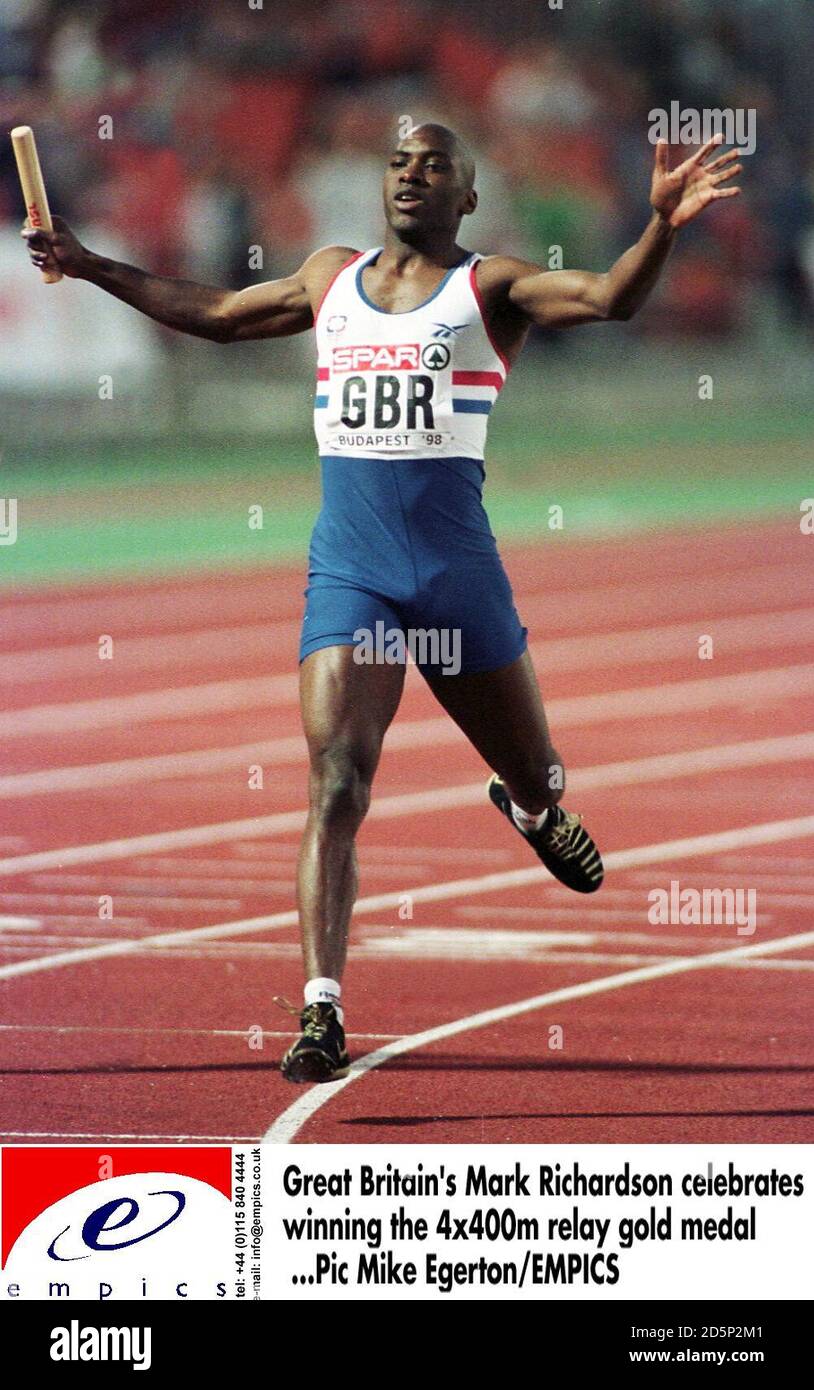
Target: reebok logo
x=75, y=1343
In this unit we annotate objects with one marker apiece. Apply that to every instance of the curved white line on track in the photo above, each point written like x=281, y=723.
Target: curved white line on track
x=660, y=766
x=286, y=1127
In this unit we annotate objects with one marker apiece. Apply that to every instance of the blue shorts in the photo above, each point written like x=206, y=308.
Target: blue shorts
x=402, y=559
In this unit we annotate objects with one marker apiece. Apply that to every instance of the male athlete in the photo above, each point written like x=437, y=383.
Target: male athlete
x=414, y=342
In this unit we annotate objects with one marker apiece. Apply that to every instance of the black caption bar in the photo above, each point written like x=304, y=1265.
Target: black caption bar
x=155, y=1339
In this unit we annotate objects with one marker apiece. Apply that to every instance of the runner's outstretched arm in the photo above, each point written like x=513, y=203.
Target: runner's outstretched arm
x=563, y=298
x=274, y=309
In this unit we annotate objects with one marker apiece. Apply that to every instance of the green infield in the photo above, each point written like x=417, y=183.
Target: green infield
x=117, y=511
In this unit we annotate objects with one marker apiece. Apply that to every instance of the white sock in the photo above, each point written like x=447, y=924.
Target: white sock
x=325, y=991
x=525, y=822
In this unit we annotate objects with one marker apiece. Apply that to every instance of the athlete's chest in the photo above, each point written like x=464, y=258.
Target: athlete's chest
x=429, y=333
x=415, y=381
x=398, y=294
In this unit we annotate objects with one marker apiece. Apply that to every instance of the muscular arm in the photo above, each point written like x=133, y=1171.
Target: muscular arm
x=521, y=294
x=274, y=309
x=561, y=298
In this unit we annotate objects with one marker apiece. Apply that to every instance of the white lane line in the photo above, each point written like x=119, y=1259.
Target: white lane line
x=638, y=702
x=630, y=958
x=596, y=935
x=170, y=601
x=145, y=903
x=203, y=871
x=183, y=702
x=379, y=854
x=121, y=887
x=104, y=946
x=69, y=919
x=559, y=654
x=768, y=832
x=790, y=864
x=696, y=761
x=149, y=884
x=280, y=858
x=17, y=947
x=11, y=923
x=243, y=1033
x=756, y=881
x=156, y=767
x=21, y=946
x=788, y=965
x=745, y=632
x=166, y=652
x=105, y=1135
x=589, y=913
x=603, y=603
x=512, y=944
x=636, y=898
x=287, y=1125
x=170, y=606
x=555, y=956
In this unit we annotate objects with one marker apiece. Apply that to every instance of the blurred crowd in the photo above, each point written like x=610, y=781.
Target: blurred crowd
x=224, y=139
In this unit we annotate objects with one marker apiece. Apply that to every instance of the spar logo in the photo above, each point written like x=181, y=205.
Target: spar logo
x=83, y=1222
x=375, y=357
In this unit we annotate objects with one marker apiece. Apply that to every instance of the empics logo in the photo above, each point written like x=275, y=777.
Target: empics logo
x=79, y=1222
x=75, y=1343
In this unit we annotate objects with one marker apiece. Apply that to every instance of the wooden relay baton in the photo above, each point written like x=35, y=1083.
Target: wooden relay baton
x=36, y=200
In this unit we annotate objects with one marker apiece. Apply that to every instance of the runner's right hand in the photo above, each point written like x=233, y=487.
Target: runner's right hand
x=56, y=250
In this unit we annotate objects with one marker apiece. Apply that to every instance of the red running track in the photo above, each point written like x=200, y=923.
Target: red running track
x=126, y=782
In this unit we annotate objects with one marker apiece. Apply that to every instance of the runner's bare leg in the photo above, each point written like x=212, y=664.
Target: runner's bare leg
x=501, y=713
x=346, y=710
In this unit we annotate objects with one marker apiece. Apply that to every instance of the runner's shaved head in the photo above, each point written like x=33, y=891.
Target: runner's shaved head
x=440, y=137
